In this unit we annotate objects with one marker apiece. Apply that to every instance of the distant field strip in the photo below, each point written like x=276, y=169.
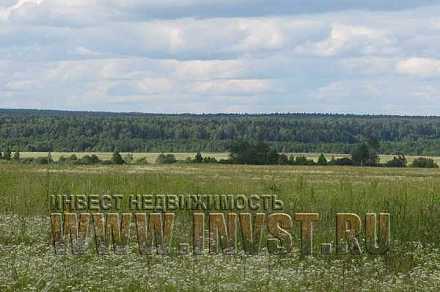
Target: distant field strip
x=151, y=156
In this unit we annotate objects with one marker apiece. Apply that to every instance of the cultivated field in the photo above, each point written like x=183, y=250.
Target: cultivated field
x=412, y=196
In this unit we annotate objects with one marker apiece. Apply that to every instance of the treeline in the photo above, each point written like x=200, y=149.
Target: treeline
x=72, y=159
x=242, y=152
x=260, y=153
x=44, y=131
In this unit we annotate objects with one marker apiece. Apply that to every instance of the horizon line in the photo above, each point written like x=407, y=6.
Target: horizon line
x=219, y=113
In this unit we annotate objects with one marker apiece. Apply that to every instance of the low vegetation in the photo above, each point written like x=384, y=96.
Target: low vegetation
x=410, y=195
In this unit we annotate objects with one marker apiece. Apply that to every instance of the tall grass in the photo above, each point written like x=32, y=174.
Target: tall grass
x=412, y=196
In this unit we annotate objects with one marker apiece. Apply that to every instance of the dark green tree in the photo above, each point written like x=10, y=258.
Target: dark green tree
x=364, y=155
x=283, y=159
x=322, y=160
x=117, y=158
x=260, y=153
x=198, y=158
x=7, y=154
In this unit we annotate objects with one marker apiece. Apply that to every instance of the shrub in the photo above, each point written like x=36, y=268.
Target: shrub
x=117, y=158
x=89, y=160
x=128, y=158
x=7, y=154
x=42, y=160
x=283, y=159
x=341, y=161
x=166, y=159
x=142, y=160
x=27, y=160
x=73, y=157
x=424, y=163
x=302, y=160
x=399, y=161
x=209, y=160
x=198, y=158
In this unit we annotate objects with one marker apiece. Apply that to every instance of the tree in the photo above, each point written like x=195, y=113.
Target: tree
x=198, y=158
x=322, y=160
x=117, y=158
x=7, y=155
x=364, y=155
x=283, y=159
x=49, y=157
x=259, y=153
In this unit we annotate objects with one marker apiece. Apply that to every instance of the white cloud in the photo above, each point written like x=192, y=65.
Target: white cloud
x=348, y=39
x=6, y=12
x=219, y=55
x=419, y=66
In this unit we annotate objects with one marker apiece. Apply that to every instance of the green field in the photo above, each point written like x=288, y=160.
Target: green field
x=151, y=157
x=412, y=196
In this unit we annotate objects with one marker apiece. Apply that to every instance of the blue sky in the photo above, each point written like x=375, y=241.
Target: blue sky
x=378, y=57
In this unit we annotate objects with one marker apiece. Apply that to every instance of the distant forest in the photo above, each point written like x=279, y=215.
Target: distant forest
x=34, y=130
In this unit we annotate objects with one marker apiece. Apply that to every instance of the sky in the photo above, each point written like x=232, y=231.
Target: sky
x=230, y=56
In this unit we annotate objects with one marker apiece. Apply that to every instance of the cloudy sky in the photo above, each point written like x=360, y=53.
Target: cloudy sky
x=172, y=56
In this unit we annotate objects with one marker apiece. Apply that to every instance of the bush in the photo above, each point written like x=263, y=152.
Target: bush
x=42, y=160
x=166, y=159
x=424, y=163
x=198, y=158
x=73, y=157
x=399, y=161
x=283, y=159
x=302, y=160
x=27, y=160
x=341, y=161
x=89, y=160
x=7, y=154
x=128, y=158
x=142, y=160
x=117, y=158
x=209, y=160
x=226, y=161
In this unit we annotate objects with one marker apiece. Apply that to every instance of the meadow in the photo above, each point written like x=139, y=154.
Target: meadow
x=410, y=195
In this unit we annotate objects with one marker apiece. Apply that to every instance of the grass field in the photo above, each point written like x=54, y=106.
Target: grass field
x=412, y=196
x=151, y=157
